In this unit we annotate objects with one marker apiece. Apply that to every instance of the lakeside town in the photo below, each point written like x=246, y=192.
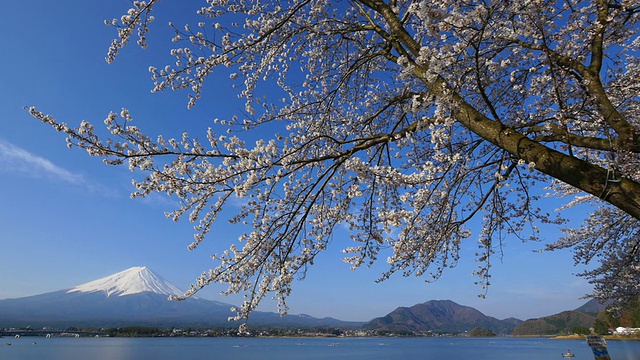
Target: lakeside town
x=619, y=333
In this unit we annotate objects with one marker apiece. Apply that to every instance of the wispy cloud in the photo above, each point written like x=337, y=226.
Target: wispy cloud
x=15, y=158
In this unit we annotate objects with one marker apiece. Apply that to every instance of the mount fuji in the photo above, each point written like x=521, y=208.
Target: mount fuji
x=136, y=296
x=128, y=282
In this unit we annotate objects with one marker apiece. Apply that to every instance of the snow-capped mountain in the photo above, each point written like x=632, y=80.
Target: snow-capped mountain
x=128, y=282
x=135, y=296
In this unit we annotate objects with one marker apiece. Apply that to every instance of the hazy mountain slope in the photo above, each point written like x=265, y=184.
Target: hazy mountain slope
x=593, y=307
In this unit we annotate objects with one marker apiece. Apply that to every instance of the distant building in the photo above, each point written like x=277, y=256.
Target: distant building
x=626, y=331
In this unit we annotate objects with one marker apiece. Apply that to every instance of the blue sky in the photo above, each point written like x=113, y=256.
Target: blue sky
x=66, y=218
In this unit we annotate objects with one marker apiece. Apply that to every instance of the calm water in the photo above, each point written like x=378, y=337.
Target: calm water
x=298, y=348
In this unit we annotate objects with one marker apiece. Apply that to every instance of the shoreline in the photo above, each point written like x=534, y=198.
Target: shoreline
x=606, y=337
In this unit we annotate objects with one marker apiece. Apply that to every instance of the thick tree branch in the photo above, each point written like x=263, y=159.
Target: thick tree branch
x=602, y=183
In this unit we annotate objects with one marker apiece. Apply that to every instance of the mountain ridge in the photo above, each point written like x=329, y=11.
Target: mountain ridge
x=138, y=296
x=439, y=316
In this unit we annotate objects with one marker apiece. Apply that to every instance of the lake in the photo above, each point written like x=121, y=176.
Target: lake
x=304, y=348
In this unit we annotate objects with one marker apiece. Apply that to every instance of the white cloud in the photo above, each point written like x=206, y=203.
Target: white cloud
x=15, y=158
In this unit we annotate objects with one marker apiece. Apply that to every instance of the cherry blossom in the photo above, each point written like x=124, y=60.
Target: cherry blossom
x=404, y=121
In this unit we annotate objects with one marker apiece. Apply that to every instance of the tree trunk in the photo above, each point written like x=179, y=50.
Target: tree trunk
x=595, y=180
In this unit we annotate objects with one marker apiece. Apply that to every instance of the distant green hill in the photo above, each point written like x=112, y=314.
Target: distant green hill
x=559, y=324
x=481, y=332
x=579, y=320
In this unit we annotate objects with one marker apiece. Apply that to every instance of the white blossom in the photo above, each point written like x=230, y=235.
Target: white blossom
x=404, y=124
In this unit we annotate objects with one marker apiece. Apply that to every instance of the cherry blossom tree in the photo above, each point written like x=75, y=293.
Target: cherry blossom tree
x=403, y=121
